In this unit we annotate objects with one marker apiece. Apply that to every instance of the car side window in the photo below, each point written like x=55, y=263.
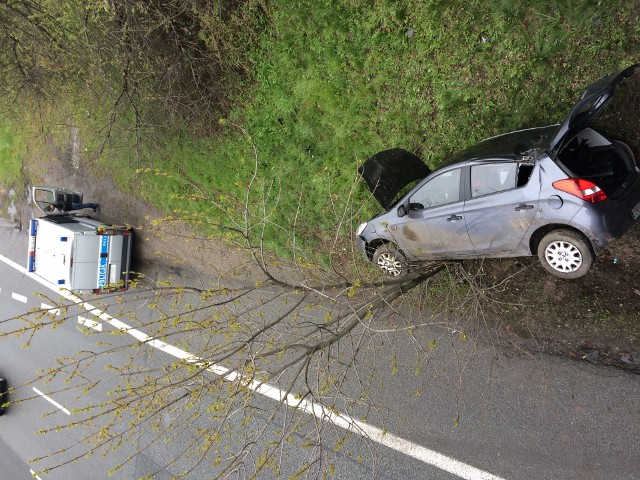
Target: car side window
x=440, y=190
x=493, y=177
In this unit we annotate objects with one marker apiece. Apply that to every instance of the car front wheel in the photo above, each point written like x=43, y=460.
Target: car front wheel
x=565, y=254
x=391, y=261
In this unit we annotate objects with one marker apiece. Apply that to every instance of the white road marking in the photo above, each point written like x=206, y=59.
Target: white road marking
x=33, y=474
x=50, y=310
x=90, y=323
x=51, y=401
x=425, y=455
x=18, y=297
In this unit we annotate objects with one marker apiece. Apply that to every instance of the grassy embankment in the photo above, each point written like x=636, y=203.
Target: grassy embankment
x=334, y=82
x=10, y=156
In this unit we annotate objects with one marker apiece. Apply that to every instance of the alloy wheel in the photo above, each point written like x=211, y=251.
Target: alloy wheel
x=563, y=256
x=389, y=264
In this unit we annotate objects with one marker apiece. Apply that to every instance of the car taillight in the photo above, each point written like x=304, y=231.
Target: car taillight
x=581, y=188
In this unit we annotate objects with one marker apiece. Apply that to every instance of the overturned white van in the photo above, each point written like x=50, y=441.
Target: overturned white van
x=77, y=252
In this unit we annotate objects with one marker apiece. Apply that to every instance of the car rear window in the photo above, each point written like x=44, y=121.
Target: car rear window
x=497, y=177
x=493, y=177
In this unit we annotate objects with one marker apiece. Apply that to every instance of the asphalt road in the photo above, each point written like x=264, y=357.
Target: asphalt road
x=56, y=403
x=509, y=414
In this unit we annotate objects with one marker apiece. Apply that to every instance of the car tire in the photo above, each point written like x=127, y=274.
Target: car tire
x=565, y=254
x=391, y=261
x=3, y=393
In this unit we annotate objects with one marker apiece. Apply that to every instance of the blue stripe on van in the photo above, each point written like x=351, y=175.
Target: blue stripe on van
x=103, y=261
x=33, y=229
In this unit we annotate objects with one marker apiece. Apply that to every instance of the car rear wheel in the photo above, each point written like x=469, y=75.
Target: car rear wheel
x=391, y=261
x=3, y=394
x=565, y=254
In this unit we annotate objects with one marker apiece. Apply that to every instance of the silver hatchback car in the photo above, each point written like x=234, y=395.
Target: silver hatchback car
x=563, y=192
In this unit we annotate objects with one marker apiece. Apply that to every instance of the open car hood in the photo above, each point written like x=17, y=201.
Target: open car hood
x=591, y=104
x=389, y=171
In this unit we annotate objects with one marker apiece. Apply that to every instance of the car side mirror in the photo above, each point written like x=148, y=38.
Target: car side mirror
x=402, y=210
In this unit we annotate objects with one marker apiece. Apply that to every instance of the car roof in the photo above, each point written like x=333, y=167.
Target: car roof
x=508, y=146
x=388, y=172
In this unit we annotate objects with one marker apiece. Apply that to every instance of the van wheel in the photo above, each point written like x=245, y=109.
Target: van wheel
x=391, y=261
x=565, y=254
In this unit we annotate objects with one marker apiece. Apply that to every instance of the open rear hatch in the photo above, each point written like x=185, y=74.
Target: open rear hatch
x=579, y=145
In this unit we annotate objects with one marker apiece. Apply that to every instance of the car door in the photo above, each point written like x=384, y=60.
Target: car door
x=43, y=197
x=501, y=204
x=434, y=226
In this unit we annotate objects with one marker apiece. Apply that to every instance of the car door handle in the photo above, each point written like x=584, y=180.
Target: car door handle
x=523, y=206
x=454, y=218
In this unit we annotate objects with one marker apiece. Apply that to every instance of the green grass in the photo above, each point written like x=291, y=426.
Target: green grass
x=11, y=153
x=334, y=82
x=337, y=82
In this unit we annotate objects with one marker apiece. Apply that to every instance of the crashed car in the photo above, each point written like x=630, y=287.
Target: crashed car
x=562, y=192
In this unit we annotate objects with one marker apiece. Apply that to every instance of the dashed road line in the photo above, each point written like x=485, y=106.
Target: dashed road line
x=383, y=437
x=90, y=323
x=18, y=297
x=51, y=310
x=51, y=401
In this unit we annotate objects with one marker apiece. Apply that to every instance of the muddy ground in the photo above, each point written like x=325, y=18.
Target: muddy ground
x=595, y=318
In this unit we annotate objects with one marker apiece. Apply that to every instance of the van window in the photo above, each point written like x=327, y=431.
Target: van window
x=45, y=196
